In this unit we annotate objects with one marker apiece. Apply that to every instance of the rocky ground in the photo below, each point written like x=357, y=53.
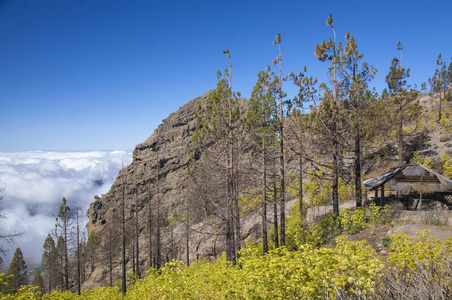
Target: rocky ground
x=438, y=223
x=375, y=235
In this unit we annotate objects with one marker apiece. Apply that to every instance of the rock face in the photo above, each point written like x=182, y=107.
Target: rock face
x=166, y=150
x=163, y=155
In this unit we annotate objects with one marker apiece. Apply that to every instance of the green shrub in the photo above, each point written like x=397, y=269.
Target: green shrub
x=447, y=164
x=386, y=241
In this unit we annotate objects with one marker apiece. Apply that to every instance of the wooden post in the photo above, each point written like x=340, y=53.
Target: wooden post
x=420, y=200
x=382, y=196
x=376, y=195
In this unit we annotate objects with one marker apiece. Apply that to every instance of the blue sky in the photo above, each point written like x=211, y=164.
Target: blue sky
x=102, y=74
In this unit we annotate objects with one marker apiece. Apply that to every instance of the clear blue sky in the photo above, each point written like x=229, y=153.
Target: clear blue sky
x=102, y=74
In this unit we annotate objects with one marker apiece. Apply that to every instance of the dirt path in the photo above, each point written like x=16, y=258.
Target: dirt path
x=440, y=232
x=318, y=211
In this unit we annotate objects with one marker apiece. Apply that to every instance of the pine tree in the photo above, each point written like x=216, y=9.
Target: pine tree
x=187, y=231
x=38, y=280
x=261, y=124
x=110, y=241
x=216, y=138
x=439, y=83
x=18, y=269
x=281, y=95
x=60, y=250
x=123, y=237
x=158, y=244
x=150, y=227
x=402, y=104
x=423, y=87
x=137, y=235
x=49, y=262
x=91, y=251
x=78, y=258
x=330, y=51
x=64, y=224
x=299, y=124
x=355, y=77
x=275, y=206
x=448, y=80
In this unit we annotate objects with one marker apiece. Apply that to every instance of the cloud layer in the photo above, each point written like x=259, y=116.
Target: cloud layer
x=36, y=182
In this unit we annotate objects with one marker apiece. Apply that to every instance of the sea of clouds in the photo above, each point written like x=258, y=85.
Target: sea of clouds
x=35, y=183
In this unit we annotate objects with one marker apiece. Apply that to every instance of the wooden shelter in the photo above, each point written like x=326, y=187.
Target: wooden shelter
x=409, y=179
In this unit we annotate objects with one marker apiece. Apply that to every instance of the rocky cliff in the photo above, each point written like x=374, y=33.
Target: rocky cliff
x=165, y=150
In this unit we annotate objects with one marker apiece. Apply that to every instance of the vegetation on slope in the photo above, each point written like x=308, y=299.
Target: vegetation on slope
x=340, y=269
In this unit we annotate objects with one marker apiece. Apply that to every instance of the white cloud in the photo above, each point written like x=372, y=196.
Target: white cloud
x=36, y=182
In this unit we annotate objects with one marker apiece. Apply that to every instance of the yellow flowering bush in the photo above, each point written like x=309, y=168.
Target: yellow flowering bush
x=349, y=268
x=424, y=249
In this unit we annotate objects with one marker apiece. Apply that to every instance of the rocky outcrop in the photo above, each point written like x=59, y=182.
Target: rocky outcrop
x=166, y=148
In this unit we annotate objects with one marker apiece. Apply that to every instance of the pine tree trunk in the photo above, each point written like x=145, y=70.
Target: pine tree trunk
x=158, y=261
x=275, y=211
x=158, y=254
x=358, y=191
x=400, y=150
x=238, y=237
x=282, y=203
x=440, y=103
x=282, y=179
x=133, y=252
x=230, y=238
x=66, y=256
x=172, y=242
x=335, y=145
x=264, y=201
x=110, y=255
x=124, y=282
x=137, y=235
x=78, y=257
x=150, y=228
x=300, y=192
x=400, y=135
x=231, y=235
x=335, y=176
x=187, y=235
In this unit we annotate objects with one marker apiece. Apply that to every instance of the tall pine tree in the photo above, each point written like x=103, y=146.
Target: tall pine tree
x=330, y=51
x=402, y=105
x=355, y=77
x=62, y=230
x=439, y=83
x=18, y=269
x=49, y=262
x=216, y=138
x=282, y=181
x=299, y=125
x=261, y=126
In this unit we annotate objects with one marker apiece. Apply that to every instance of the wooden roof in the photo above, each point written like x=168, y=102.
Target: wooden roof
x=411, y=176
